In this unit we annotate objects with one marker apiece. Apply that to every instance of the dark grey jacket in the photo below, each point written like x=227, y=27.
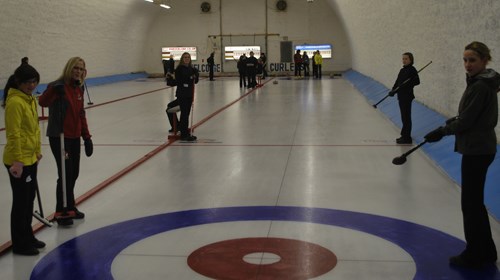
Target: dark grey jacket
x=474, y=127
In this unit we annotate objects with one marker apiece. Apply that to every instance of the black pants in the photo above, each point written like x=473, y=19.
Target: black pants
x=306, y=70
x=243, y=79
x=405, y=109
x=477, y=229
x=318, y=71
x=298, y=68
x=72, y=165
x=185, y=104
x=315, y=71
x=252, y=79
x=173, y=116
x=211, y=72
x=21, y=215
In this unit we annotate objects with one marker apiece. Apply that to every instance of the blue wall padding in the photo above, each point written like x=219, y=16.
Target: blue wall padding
x=424, y=120
x=99, y=80
x=115, y=78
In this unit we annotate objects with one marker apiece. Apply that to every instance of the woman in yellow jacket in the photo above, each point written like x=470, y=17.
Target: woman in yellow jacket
x=318, y=61
x=21, y=155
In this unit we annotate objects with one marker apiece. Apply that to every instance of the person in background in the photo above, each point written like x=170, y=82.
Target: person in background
x=315, y=68
x=297, y=59
x=259, y=72
x=170, y=69
x=65, y=99
x=318, y=60
x=164, y=62
x=242, y=65
x=186, y=77
x=406, y=81
x=305, y=64
x=251, y=68
x=21, y=156
x=475, y=139
x=263, y=57
x=211, y=64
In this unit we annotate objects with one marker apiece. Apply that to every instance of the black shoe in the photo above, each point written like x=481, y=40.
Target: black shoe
x=189, y=138
x=75, y=214
x=463, y=260
x=26, y=251
x=404, y=140
x=38, y=244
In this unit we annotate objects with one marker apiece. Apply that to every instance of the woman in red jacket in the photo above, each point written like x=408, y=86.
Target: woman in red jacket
x=65, y=99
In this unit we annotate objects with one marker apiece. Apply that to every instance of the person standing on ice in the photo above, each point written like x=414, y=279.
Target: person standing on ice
x=21, y=156
x=475, y=139
x=65, y=99
x=403, y=87
x=186, y=77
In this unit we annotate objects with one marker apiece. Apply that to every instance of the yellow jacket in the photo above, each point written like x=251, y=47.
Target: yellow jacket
x=22, y=129
x=318, y=59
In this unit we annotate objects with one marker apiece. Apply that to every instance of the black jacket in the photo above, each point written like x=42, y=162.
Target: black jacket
x=251, y=65
x=474, y=127
x=185, y=77
x=405, y=91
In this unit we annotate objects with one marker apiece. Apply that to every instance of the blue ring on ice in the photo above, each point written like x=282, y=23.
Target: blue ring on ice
x=91, y=255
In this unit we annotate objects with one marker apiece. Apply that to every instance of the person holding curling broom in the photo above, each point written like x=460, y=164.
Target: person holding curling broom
x=186, y=77
x=21, y=156
x=407, y=79
x=475, y=139
x=67, y=124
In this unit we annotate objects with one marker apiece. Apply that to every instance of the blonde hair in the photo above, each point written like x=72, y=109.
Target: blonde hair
x=181, y=62
x=67, y=73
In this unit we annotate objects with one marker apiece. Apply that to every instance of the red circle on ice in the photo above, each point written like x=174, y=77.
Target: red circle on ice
x=297, y=259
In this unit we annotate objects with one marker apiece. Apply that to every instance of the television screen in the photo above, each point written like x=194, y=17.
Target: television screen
x=325, y=50
x=177, y=52
x=234, y=52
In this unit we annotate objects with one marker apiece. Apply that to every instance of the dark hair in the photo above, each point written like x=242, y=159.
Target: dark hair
x=410, y=55
x=10, y=84
x=23, y=73
x=481, y=49
x=24, y=60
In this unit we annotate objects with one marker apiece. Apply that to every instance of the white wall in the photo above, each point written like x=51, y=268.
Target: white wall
x=302, y=22
x=109, y=35
x=122, y=36
x=380, y=31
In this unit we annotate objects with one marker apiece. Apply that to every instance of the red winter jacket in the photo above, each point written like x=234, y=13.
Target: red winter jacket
x=74, y=119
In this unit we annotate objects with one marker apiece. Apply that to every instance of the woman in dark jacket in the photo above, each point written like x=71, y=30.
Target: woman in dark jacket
x=404, y=88
x=475, y=139
x=186, y=76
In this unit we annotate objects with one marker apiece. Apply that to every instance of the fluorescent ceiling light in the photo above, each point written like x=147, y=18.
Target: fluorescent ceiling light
x=165, y=6
x=152, y=1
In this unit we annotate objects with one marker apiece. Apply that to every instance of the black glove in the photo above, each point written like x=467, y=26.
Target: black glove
x=435, y=135
x=391, y=93
x=89, y=147
x=450, y=120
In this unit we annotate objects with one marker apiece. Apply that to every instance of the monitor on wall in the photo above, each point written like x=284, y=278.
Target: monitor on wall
x=324, y=49
x=234, y=52
x=177, y=52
